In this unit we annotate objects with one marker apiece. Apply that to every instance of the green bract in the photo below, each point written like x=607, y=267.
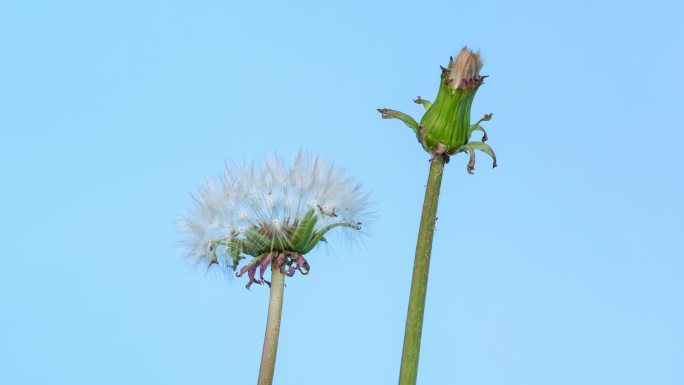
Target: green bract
x=285, y=245
x=298, y=238
x=445, y=128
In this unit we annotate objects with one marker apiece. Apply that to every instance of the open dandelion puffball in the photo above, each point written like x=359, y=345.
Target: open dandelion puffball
x=273, y=214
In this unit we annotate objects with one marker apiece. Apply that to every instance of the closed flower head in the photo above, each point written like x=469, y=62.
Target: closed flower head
x=272, y=213
x=445, y=128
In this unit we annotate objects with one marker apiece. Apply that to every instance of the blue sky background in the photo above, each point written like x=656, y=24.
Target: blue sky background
x=562, y=266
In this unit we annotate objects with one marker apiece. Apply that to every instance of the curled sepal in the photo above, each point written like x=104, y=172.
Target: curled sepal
x=485, y=118
x=318, y=235
x=305, y=268
x=289, y=263
x=471, y=163
x=298, y=263
x=417, y=128
x=477, y=127
x=264, y=265
x=426, y=103
x=280, y=261
x=393, y=114
x=470, y=149
x=250, y=269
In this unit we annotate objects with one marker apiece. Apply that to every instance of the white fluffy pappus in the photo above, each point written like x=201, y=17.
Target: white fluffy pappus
x=270, y=201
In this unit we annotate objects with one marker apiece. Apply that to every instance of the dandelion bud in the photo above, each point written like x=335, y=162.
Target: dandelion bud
x=445, y=128
x=446, y=124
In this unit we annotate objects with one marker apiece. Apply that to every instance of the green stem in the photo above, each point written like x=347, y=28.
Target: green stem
x=275, y=309
x=421, y=266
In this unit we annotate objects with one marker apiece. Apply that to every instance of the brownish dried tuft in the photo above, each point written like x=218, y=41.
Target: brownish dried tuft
x=465, y=72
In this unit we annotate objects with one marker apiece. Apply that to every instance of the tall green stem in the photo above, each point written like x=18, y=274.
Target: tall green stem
x=275, y=309
x=421, y=266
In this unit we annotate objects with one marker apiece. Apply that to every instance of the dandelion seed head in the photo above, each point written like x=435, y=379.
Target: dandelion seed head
x=256, y=210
